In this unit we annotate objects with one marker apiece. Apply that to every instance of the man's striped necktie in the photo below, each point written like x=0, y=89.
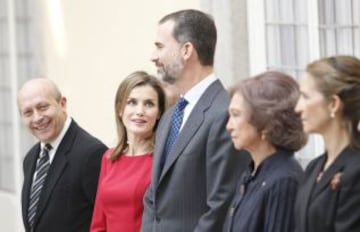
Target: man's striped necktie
x=42, y=168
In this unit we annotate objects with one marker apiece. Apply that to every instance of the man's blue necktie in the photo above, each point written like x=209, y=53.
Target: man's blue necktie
x=176, y=121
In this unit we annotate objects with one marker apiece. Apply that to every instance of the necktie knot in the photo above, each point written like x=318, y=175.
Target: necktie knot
x=48, y=146
x=45, y=150
x=181, y=104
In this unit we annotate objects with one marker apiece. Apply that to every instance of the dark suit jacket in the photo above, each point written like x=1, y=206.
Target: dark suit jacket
x=264, y=201
x=330, y=205
x=193, y=190
x=68, y=195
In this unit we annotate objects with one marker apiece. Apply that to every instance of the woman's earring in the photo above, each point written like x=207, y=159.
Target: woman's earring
x=263, y=136
x=332, y=115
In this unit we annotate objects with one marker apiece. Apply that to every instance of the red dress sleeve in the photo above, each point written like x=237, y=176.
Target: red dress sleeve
x=98, y=222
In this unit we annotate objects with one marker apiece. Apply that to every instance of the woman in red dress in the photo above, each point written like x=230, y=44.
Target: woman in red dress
x=126, y=168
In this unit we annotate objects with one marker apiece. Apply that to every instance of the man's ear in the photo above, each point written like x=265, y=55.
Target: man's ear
x=187, y=50
x=63, y=101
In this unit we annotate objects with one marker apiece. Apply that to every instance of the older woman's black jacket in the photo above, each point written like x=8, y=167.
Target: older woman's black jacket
x=264, y=202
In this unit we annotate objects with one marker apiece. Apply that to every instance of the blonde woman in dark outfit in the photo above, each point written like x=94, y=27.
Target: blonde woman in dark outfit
x=329, y=198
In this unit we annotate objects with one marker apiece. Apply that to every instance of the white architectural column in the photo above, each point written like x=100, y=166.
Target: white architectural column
x=10, y=212
x=232, y=53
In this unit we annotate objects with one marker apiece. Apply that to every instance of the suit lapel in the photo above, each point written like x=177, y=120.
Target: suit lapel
x=336, y=167
x=57, y=167
x=160, y=141
x=192, y=124
x=307, y=189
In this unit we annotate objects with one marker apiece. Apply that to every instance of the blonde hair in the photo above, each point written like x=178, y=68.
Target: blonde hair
x=340, y=75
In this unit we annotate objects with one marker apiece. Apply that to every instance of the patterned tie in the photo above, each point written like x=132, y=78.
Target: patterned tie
x=42, y=167
x=176, y=121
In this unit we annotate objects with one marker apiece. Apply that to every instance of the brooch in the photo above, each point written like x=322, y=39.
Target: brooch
x=335, y=180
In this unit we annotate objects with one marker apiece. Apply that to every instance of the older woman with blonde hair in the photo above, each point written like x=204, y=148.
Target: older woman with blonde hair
x=329, y=198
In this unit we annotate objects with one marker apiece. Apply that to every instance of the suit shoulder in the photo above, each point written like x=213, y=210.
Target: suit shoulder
x=222, y=98
x=313, y=163
x=286, y=169
x=35, y=149
x=86, y=136
x=86, y=142
x=220, y=103
x=354, y=158
x=351, y=170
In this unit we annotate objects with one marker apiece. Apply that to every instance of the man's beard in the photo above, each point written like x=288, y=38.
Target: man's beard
x=165, y=76
x=171, y=74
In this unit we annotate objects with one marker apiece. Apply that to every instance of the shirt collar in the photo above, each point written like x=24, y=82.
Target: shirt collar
x=54, y=144
x=194, y=94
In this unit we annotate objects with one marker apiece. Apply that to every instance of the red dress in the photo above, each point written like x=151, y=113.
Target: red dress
x=121, y=188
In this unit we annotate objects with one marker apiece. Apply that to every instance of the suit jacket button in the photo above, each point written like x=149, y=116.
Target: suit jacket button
x=157, y=219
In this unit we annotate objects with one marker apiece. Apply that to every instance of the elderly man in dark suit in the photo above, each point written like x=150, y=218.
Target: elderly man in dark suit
x=195, y=164
x=61, y=170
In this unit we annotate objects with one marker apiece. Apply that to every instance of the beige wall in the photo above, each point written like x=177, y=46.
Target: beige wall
x=91, y=45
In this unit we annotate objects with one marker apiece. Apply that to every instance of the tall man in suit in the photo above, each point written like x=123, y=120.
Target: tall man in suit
x=193, y=182
x=58, y=194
